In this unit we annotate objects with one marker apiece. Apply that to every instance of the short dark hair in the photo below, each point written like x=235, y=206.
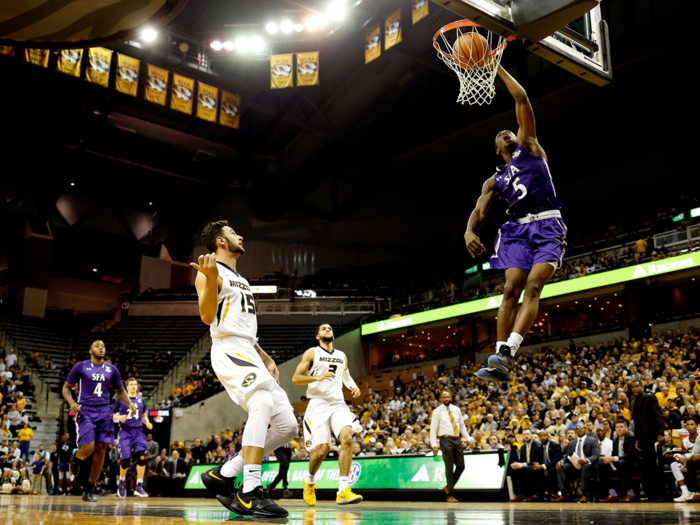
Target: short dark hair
x=210, y=232
x=318, y=328
x=692, y=419
x=621, y=421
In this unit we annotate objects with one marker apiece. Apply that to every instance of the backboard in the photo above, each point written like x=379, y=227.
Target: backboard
x=568, y=33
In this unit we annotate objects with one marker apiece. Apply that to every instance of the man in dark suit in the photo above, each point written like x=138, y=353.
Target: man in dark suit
x=587, y=451
x=648, y=429
x=174, y=471
x=544, y=475
x=625, y=459
x=520, y=470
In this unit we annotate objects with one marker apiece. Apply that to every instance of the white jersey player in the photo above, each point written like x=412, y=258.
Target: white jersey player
x=325, y=370
x=248, y=374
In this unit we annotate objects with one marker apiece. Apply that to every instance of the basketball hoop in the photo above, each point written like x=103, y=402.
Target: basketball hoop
x=476, y=76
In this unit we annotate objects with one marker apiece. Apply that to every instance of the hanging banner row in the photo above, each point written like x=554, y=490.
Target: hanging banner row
x=98, y=68
x=282, y=70
x=392, y=30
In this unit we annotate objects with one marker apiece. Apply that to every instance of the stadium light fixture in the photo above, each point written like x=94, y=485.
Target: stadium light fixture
x=228, y=45
x=336, y=11
x=321, y=21
x=216, y=45
x=286, y=26
x=311, y=23
x=257, y=44
x=242, y=45
x=272, y=28
x=298, y=27
x=149, y=35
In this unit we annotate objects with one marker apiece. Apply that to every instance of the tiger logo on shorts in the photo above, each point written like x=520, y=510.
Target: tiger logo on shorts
x=249, y=379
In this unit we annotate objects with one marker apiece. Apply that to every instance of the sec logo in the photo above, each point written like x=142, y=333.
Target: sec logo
x=355, y=471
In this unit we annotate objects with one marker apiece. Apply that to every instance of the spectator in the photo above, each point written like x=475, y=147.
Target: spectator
x=199, y=451
x=11, y=359
x=37, y=472
x=25, y=436
x=649, y=426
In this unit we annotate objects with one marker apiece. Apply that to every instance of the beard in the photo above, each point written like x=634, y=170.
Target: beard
x=234, y=249
x=328, y=338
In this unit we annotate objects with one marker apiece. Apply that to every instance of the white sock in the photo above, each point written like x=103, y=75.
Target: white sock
x=232, y=468
x=684, y=489
x=251, y=478
x=498, y=344
x=344, y=483
x=514, y=341
x=310, y=478
x=139, y=482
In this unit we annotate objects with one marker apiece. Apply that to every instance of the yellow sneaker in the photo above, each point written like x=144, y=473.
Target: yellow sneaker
x=347, y=497
x=310, y=493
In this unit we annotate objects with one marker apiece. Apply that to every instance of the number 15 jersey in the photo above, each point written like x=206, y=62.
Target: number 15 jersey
x=324, y=361
x=235, y=313
x=526, y=183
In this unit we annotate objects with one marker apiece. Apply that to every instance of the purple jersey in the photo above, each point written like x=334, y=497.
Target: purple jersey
x=123, y=410
x=93, y=382
x=525, y=182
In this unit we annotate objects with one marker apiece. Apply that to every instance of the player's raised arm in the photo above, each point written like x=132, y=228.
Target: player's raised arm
x=478, y=217
x=207, y=285
x=300, y=376
x=527, y=134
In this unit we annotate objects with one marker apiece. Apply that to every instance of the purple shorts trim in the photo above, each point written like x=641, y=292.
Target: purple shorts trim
x=94, y=424
x=523, y=245
x=63, y=467
x=131, y=438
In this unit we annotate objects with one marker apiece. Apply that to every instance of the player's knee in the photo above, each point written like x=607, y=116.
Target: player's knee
x=510, y=291
x=321, y=450
x=141, y=461
x=88, y=449
x=346, y=438
x=125, y=463
x=533, y=289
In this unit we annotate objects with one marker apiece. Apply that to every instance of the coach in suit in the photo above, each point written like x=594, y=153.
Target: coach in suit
x=587, y=450
x=521, y=469
x=174, y=472
x=544, y=474
x=648, y=429
x=152, y=455
x=624, y=457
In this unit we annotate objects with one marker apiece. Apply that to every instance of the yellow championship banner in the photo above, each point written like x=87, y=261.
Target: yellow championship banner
x=99, y=61
x=156, y=84
x=7, y=50
x=281, y=71
x=183, y=91
x=419, y=10
x=69, y=61
x=373, y=44
x=307, y=69
x=230, y=113
x=392, y=29
x=207, y=100
x=38, y=57
x=127, y=79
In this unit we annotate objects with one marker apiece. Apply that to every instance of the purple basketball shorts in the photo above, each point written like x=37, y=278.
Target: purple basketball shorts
x=131, y=438
x=523, y=245
x=94, y=424
x=63, y=467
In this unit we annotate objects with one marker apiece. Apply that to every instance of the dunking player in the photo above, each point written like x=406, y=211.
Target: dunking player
x=131, y=435
x=325, y=370
x=249, y=375
x=93, y=422
x=529, y=247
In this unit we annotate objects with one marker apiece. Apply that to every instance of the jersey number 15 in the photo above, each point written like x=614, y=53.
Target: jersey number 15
x=247, y=303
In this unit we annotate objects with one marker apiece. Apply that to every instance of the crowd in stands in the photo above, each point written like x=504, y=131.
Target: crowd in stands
x=200, y=383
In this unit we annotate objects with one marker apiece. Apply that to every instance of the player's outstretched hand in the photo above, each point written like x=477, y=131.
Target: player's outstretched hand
x=355, y=392
x=326, y=375
x=207, y=265
x=474, y=244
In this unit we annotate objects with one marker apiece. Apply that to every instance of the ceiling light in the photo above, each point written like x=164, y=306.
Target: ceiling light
x=298, y=28
x=242, y=44
x=72, y=183
x=336, y=11
x=286, y=26
x=216, y=45
x=94, y=269
x=311, y=23
x=148, y=35
x=228, y=45
x=150, y=204
x=271, y=28
x=257, y=44
x=321, y=21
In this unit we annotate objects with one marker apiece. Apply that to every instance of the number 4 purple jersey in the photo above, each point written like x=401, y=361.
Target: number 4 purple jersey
x=526, y=183
x=93, y=382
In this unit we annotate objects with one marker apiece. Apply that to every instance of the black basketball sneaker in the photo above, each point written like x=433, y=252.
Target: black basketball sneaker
x=258, y=505
x=223, y=488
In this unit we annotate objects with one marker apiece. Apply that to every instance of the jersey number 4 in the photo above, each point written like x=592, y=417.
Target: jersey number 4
x=98, y=390
x=247, y=303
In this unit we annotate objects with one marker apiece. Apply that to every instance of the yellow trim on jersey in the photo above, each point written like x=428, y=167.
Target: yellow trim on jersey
x=244, y=357
x=228, y=301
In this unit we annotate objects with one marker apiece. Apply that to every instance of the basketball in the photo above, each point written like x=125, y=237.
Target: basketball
x=471, y=51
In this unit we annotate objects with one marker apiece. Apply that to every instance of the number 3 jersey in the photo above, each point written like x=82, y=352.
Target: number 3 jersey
x=526, y=183
x=235, y=313
x=324, y=361
x=135, y=420
x=93, y=382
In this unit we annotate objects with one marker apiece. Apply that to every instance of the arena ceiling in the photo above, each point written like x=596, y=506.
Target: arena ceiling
x=377, y=144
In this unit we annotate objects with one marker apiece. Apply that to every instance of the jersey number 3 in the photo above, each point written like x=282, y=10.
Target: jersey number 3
x=332, y=368
x=247, y=303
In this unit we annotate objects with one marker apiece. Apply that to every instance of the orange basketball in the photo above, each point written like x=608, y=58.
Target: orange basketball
x=471, y=51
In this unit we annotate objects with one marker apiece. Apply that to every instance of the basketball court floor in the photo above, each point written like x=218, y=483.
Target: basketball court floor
x=35, y=510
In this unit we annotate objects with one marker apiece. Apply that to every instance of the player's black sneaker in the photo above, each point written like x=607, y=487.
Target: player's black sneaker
x=89, y=497
x=75, y=465
x=257, y=504
x=493, y=374
x=502, y=360
x=219, y=485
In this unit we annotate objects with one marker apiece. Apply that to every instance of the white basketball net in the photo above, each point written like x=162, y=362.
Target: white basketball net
x=476, y=85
